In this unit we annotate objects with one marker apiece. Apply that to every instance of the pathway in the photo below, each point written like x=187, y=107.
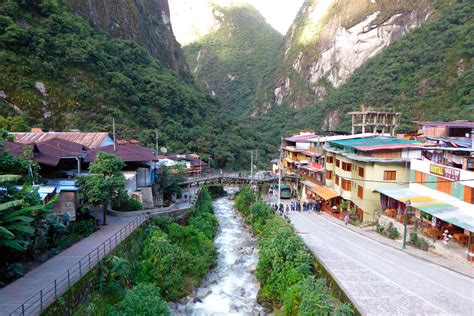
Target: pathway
x=380, y=279
x=21, y=290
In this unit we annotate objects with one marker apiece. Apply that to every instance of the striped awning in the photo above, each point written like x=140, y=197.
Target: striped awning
x=435, y=203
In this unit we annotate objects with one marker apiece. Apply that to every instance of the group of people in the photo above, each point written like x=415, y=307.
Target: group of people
x=297, y=206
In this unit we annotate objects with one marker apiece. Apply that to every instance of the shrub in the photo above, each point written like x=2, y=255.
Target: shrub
x=419, y=242
x=206, y=223
x=391, y=232
x=379, y=228
x=163, y=265
x=127, y=204
x=143, y=299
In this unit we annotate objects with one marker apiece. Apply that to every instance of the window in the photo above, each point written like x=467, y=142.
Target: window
x=329, y=174
x=346, y=166
x=337, y=163
x=390, y=175
x=337, y=179
x=361, y=172
x=468, y=194
x=360, y=192
x=330, y=159
x=346, y=185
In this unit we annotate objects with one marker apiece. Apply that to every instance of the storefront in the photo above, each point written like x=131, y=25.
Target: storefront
x=432, y=212
x=331, y=199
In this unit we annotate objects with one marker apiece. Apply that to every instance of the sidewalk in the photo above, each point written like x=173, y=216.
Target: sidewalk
x=464, y=268
x=16, y=293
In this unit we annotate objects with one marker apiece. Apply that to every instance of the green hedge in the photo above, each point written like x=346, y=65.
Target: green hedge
x=286, y=268
x=164, y=262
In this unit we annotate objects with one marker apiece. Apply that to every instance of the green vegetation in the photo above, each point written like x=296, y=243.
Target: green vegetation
x=426, y=74
x=232, y=61
x=286, y=269
x=419, y=242
x=388, y=231
x=29, y=231
x=104, y=184
x=90, y=78
x=164, y=262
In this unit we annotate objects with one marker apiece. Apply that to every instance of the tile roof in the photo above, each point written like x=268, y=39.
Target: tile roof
x=126, y=152
x=90, y=140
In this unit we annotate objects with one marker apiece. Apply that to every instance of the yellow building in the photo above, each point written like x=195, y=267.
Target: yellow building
x=355, y=168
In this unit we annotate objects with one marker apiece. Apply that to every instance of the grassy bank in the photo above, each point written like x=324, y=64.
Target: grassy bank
x=286, y=269
x=163, y=263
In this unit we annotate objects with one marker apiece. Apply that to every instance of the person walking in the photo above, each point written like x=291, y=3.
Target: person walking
x=346, y=219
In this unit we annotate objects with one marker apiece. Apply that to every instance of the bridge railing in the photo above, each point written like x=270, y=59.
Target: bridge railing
x=217, y=174
x=53, y=290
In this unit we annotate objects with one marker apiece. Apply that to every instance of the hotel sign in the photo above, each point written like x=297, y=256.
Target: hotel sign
x=450, y=173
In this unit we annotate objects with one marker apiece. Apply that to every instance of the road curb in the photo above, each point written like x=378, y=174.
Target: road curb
x=329, y=218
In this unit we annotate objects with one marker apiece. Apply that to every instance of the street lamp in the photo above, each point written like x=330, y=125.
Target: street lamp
x=405, y=222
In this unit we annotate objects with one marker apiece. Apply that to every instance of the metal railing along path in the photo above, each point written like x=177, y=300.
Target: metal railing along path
x=52, y=291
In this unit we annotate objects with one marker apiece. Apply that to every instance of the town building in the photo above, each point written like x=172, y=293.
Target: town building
x=442, y=198
x=297, y=151
x=459, y=128
x=191, y=162
x=356, y=168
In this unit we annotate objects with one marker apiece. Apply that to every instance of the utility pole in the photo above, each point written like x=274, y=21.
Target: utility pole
x=279, y=172
x=251, y=164
x=405, y=223
x=113, y=133
x=156, y=144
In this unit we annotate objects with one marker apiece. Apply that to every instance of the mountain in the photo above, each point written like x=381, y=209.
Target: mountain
x=428, y=74
x=231, y=61
x=329, y=40
x=145, y=22
x=61, y=72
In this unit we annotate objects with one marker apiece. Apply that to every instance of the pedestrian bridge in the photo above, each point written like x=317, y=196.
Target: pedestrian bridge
x=231, y=178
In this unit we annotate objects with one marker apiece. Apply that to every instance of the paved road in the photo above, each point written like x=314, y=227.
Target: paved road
x=381, y=280
x=16, y=293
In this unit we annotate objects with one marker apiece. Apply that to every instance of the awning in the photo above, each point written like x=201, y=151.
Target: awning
x=309, y=184
x=430, y=201
x=324, y=192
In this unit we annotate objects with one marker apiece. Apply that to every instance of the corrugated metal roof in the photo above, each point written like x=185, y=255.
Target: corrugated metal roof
x=301, y=138
x=126, y=152
x=461, y=124
x=51, y=151
x=377, y=143
x=15, y=148
x=453, y=141
x=90, y=140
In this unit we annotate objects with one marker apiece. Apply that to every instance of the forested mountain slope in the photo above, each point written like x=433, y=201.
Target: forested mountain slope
x=59, y=72
x=328, y=40
x=426, y=74
x=231, y=61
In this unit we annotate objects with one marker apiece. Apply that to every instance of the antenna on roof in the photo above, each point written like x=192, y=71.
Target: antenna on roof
x=113, y=133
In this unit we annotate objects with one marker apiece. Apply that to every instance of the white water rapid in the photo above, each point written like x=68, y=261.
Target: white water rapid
x=230, y=289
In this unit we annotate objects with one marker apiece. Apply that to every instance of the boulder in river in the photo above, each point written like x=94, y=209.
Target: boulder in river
x=197, y=300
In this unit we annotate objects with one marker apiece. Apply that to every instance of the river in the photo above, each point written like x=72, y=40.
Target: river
x=231, y=288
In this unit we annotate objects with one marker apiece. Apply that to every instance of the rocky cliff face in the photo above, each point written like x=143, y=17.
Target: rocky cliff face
x=146, y=22
x=330, y=39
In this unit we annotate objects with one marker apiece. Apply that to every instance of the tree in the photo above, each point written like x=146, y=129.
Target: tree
x=104, y=183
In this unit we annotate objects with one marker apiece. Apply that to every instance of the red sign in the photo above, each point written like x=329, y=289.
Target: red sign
x=446, y=172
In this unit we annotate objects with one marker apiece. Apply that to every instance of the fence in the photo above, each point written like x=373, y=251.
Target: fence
x=52, y=291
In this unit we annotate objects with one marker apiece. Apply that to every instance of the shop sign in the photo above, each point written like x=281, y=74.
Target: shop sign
x=446, y=172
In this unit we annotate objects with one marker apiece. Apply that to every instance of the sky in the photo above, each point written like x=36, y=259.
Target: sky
x=192, y=19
